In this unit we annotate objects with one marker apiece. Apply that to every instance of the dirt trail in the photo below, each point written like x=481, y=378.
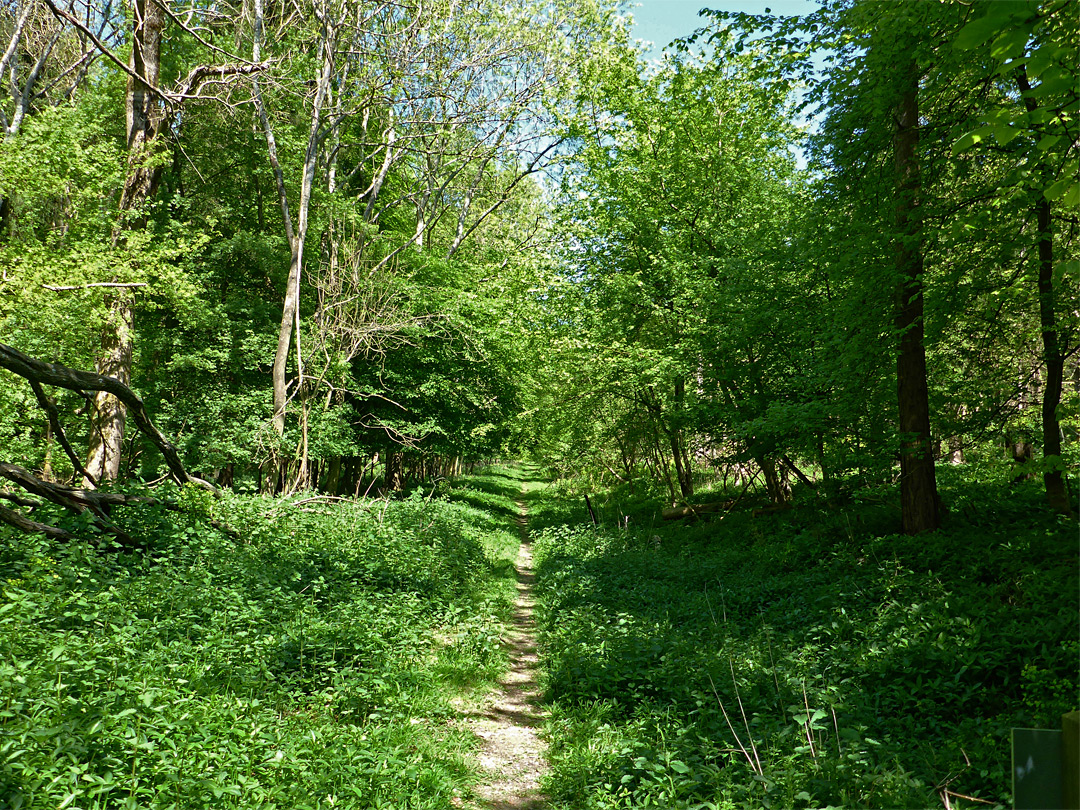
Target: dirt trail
x=512, y=752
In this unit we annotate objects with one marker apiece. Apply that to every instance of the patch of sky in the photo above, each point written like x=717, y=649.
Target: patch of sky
x=658, y=23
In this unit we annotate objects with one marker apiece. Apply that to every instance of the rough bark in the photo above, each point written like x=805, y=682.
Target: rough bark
x=395, y=471
x=776, y=484
x=919, y=502
x=109, y=414
x=145, y=118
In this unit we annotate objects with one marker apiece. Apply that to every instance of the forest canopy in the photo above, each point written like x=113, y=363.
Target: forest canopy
x=336, y=245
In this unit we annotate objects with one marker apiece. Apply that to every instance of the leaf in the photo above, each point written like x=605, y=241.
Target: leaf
x=1006, y=134
x=1065, y=187
x=1010, y=44
x=679, y=767
x=967, y=141
x=1047, y=142
x=977, y=32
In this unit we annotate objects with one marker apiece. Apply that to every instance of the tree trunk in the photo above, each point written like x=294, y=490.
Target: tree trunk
x=776, y=484
x=919, y=503
x=290, y=319
x=1056, y=495
x=683, y=472
x=395, y=471
x=108, y=414
x=333, y=475
x=145, y=116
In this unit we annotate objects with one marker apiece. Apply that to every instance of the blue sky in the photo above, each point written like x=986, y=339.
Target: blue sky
x=661, y=21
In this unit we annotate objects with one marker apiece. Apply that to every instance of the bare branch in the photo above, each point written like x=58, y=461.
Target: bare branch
x=58, y=430
x=23, y=523
x=95, y=284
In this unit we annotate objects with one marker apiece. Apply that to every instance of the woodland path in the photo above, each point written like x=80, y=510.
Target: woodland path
x=512, y=753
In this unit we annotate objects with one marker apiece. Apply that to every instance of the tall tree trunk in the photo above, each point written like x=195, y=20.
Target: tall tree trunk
x=1053, y=480
x=290, y=312
x=145, y=117
x=1056, y=495
x=919, y=501
x=108, y=414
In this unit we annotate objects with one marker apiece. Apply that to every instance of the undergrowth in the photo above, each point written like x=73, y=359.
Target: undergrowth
x=307, y=659
x=804, y=659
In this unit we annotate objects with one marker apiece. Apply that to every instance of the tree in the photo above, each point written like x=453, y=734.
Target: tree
x=1031, y=41
x=918, y=486
x=149, y=111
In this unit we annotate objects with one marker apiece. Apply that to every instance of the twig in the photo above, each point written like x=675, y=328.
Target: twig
x=836, y=726
x=745, y=753
x=967, y=798
x=809, y=739
x=316, y=498
x=742, y=711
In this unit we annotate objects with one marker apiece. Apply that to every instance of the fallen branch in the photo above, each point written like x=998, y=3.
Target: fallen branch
x=73, y=499
x=87, y=499
x=111, y=284
x=694, y=509
x=58, y=431
x=23, y=523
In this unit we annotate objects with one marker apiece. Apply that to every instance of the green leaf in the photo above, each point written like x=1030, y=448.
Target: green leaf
x=976, y=33
x=1006, y=134
x=1047, y=142
x=967, y=141
x=1065, y=187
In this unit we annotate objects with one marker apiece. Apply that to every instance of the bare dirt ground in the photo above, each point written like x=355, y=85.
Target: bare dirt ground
x=512, y=752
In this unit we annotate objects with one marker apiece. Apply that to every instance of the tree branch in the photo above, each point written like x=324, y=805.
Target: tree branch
x=58, y=430
x=63, y=377
x=23, y=523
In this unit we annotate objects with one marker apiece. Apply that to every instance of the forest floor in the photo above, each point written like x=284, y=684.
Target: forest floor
x=512, y=752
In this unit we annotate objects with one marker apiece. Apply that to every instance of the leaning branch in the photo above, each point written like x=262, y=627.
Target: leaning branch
x=112, y=284
x=60, y=376
x=49, y=407
x=72, y=499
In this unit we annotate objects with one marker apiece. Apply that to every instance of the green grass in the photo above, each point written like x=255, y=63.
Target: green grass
x=856, y=667
x=319, y=658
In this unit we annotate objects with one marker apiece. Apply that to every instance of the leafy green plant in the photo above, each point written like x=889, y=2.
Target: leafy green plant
x=306, y=659
x=803, y=659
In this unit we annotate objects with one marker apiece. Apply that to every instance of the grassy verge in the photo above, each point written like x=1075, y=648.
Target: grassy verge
x=317, y=659
x=804, y=659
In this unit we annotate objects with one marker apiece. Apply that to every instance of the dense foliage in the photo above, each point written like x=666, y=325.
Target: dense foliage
x=811, y=658
x=825, y=266
x=308, y=657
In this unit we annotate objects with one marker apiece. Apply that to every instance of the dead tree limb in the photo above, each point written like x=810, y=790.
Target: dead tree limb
x=19, y=500
x=49, y=407
x=23, y=523
x=75, y=500
x=798, y=473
